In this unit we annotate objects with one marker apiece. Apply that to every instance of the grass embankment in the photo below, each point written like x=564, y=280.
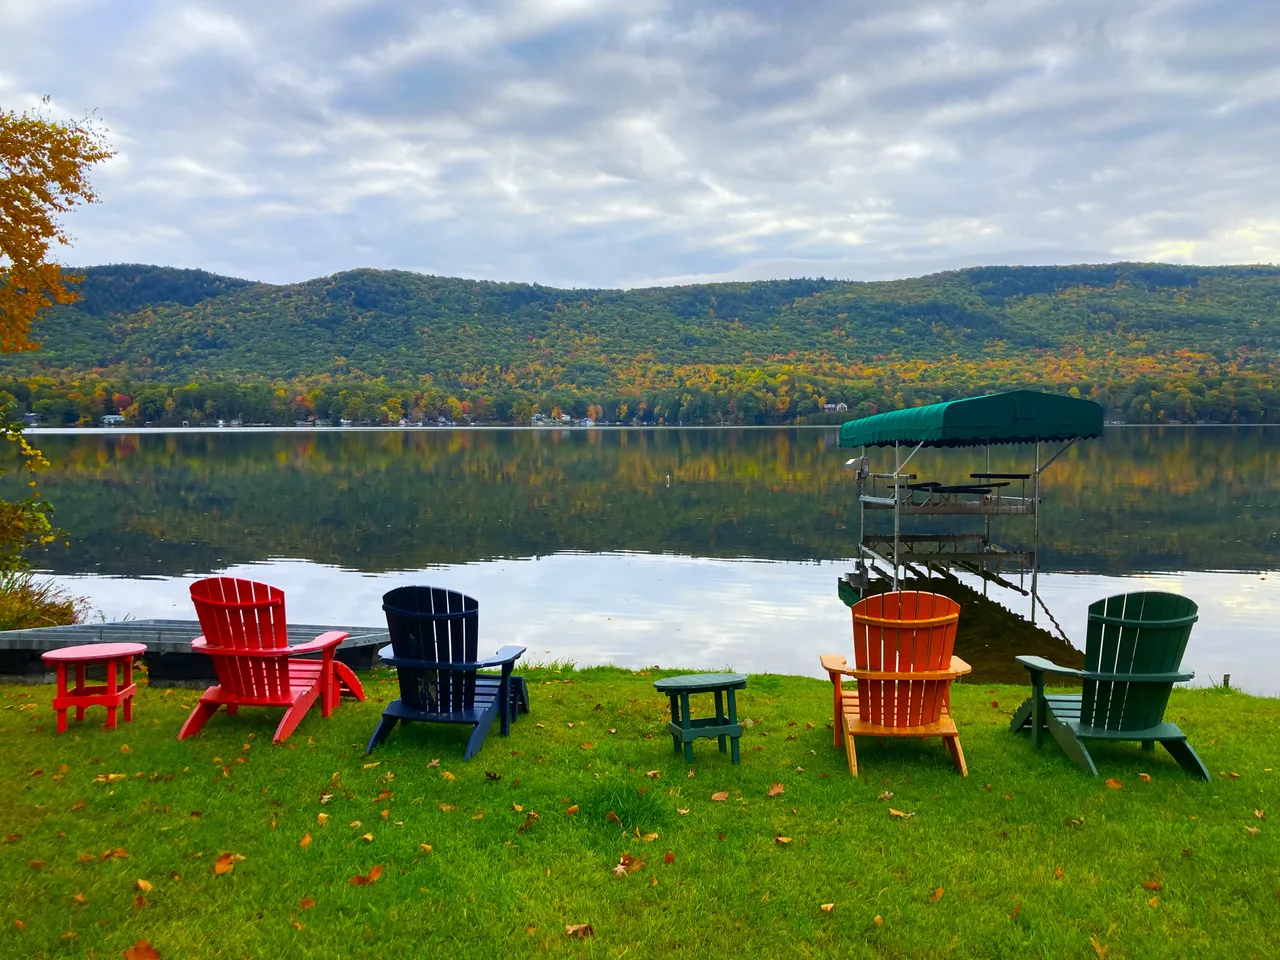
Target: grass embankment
x=1026, y=857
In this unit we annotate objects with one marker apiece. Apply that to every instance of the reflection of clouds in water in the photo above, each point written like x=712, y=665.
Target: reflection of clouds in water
x=637, y=610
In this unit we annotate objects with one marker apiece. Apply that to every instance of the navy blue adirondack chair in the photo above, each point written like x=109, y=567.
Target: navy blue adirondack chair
x=434, y=634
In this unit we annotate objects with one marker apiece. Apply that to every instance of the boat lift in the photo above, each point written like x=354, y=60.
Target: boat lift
x=1017, y=417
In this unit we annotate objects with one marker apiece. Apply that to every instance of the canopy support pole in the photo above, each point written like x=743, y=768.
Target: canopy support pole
x=1035, y=530
x=986, y=543
x=897, y=509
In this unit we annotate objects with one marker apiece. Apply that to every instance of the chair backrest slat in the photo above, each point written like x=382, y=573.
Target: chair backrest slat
x=433, y=624
x=903, y=632
x=1133, y=633
x=238, y=614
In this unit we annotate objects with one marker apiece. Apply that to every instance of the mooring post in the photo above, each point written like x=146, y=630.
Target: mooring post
x=1226, y=681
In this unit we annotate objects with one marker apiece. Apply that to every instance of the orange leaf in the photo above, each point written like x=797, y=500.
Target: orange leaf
x=878, y=920
x=1153, y=902
x=579, y=930
x=1114, y=785
x=226, y=863
x=517, y=808
x=307, y=903
x=1016, y=910
x=612, y=817
x=1144, y=777
x=424, y=847
x=1057, y=872
x=572, y=810
x=447, y=775
x=1152, y=885
x=35, y=864
x=1260, y=814
x=448, y=807
x=653, y=774
x=721, y=796
x=774, y=791
x=649, y=837
x=588, y=745
x=899, y=815
x=305, y=841
x=144, y=886
x=782, y=840
x=371, y=877
x=937, y=895
x=142, y=950
x=670, y=857
x=827, y=907
x=1099, y=948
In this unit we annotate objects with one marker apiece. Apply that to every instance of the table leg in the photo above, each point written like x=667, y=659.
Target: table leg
x=111, y=693
x=733, y=718
x=128, y=682
x=720, y=719
x=686, y=728
x=675, y=718
x=62, y=692
x=79, y=691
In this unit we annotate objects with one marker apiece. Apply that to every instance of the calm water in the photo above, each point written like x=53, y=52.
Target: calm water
x=687, y=548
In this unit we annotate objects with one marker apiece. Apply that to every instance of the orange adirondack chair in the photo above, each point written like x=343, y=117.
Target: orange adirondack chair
x=903, y=666
x=245, y=633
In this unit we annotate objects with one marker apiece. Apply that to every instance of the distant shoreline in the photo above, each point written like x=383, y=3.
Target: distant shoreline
x=119, y=431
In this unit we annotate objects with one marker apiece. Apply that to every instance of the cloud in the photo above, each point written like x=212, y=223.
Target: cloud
x=624, y=142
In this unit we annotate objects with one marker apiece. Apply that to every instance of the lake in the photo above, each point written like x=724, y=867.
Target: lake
x=696, y=548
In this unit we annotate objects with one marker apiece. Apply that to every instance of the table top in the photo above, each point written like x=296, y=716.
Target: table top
x=701, y=682
x=91, y=652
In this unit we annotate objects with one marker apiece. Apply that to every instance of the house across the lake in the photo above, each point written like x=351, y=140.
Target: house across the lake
x=112, y=420
x=835, y=407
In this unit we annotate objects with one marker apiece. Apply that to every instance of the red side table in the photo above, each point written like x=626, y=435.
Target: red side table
x=111, y=696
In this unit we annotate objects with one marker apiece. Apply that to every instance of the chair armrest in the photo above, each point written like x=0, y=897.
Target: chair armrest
x=322, y=642
x=834, y=663
x=960, y=667
x=503, y=657
x=1138, y=677
x=1041, y=665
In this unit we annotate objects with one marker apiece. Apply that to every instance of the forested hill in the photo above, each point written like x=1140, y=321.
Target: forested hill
x=1151, y=341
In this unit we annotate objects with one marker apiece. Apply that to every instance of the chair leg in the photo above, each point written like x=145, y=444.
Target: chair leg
x=957, y=754
x=1071, y=745
x=197, y=719
x=1022, y=716
x=385, y=726
x=482, y=730
x=850, y=750
x=346, y=677
x=292, y=717
x=1187, y=758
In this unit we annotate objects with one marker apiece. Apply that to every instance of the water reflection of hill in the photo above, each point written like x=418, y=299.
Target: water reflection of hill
x=1140, y=499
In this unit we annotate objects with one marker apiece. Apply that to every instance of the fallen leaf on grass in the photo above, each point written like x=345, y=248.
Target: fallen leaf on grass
x=144, y=886
x=124, y=748
x=307, y=903
x=885, y=796
x=305, y=841
x=1099, y=948
x=226, y=862
x=691, y=774
x=898, y=814
x=669, y=857
x=571, y=811
x=490, y=775
x=322, y=818
x=370, y=877
x=139, y=902
x=1144, y=777
x=35, y=864
x=530, y=819
x=367, y=837
x=80, y=898
x=1233, y=775
x=436, y=762
x=613, y=729
x=119, y=853
x=648, y=837
x=826, y=907
x=79, y=805
x=782, y=840
x=424, y=847
x=447, y=775
x=517, y=808
x=1252, y=831
x=1114, y=784
x=936, y=895
x=1074, y=821
x=653, y=774
x=478, y=816
x=681, y=811
x=142, y=950
x=628, y=864
x=448, y=807
x=1154, y=901
x=1152, y=885
x=579, y=930
x=356, y=824
x=878, y=920
x=1260, y=814
x=612, y=817
x=776, y=790
x=721, y=796
x=372, y=764
x=1016, y=910
x=588, y=745
x=387, y=794
x=1057, y=872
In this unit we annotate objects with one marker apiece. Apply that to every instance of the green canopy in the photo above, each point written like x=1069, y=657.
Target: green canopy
x=1020, y=416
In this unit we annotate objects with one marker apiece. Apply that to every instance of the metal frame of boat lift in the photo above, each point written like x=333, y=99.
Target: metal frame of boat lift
x=1021, y=416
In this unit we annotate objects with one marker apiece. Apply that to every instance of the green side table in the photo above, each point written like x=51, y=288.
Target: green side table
x=684, y=729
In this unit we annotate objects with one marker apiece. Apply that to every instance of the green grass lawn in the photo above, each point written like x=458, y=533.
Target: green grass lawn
x=1028, y=857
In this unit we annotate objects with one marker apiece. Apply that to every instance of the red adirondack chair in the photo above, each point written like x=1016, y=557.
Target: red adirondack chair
x=245, y=633
x=903, y=665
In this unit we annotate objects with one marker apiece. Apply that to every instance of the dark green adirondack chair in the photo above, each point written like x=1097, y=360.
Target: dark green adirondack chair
x=1133, y=657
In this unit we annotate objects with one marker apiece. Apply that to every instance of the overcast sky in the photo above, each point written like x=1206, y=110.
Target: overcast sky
x=631, y=142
